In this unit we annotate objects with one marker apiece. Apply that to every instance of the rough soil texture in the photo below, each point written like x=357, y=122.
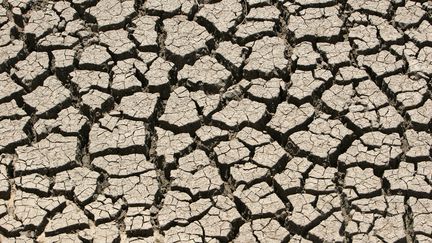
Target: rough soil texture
x=216, y=121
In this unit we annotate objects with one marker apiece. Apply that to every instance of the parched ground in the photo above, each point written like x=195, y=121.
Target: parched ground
x=216, y=121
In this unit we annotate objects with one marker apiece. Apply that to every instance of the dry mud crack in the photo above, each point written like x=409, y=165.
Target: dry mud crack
x=216, y=121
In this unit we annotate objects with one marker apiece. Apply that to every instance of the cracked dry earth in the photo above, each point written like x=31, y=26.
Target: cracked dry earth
x=216, y=121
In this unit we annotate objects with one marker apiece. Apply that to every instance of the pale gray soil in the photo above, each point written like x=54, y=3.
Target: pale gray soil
x=216, y=121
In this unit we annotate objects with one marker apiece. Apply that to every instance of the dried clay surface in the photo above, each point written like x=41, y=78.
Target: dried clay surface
x=215, y=121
